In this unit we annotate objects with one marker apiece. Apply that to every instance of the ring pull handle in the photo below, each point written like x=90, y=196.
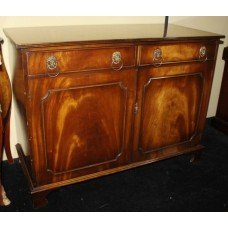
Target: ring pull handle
x=203, y=54
x=157, y=57
x=52, y=66
x=117, y=62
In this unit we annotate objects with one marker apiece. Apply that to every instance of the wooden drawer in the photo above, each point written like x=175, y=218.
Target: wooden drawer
x=54, y=62
x=180, y=52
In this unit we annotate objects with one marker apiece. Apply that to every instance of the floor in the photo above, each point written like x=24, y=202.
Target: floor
x=171, y=185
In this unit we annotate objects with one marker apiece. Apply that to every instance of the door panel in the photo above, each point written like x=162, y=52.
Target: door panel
x=170, y=111
x=81, y=123
x=172, y=103
x=86, y=127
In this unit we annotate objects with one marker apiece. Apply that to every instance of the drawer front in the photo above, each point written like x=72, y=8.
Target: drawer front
x=168, y=53
x=54, y=62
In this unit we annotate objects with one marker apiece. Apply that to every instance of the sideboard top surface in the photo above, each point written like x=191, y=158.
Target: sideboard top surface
x=48, y=36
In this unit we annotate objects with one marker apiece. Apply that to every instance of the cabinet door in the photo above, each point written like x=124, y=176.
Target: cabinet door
x=80, y=123
x=172, y=102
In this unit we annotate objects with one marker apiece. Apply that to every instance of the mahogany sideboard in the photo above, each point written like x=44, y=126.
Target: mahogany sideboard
x=96, y=100
x=220, y=121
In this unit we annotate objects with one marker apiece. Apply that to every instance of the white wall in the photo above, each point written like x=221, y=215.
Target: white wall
x=213, y=24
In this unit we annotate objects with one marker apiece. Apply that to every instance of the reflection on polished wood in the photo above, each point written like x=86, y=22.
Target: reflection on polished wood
x=82, y=127
x=79, y=59
x=175, y=102
x=83, y=122
x=88, y=116
x=55, y=35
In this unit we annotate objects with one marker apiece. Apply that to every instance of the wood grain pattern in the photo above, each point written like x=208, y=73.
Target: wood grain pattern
x=180, y=52
x=79, y=59
x=175, y=103
x=80, y=115
x=172, y=104
x=5, y=101
x=91, y=120
x=81, y=132
x=5, y=90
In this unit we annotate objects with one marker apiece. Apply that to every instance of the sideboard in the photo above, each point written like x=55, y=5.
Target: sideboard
x=96, y=100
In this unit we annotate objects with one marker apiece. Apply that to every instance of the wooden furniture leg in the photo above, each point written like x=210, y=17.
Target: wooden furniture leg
x=39, y=199
x=196, y=156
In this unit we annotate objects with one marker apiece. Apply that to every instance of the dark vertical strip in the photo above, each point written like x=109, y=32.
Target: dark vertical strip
x=166, y=26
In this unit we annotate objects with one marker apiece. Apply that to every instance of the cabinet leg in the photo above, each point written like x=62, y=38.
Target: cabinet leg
x=196, y=156
x=39, y=199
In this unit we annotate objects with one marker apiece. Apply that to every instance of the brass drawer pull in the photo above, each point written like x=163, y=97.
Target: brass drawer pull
x=157, y=57
x=52, y=63
x=52, y=66
x=117, y=62
x=203, y=53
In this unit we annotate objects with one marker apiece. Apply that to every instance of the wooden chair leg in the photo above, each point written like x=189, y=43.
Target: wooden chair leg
x=7, y=140
x=5, y=110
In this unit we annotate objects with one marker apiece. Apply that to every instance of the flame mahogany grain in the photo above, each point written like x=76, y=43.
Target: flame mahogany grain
x=91, y=120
